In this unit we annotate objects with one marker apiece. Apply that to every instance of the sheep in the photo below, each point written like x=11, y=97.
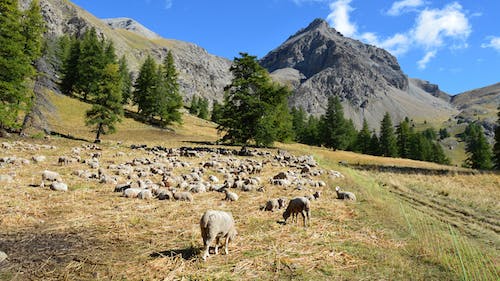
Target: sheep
x=182, y=196
x=271, y=205
x=231, y=196
x=298, y=205
x=132, y=192
x=345, y=195
x=313, y=196
x=145, y=194
x=215, y=225
x=59, y=186
x=50, y=176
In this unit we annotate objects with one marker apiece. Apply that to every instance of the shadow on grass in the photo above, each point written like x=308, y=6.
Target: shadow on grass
x=187, y=253
x=68, y=136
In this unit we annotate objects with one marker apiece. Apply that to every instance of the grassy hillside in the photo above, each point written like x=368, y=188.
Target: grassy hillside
x=402, y=227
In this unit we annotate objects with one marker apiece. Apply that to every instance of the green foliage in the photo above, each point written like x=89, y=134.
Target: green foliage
x=363, y=139
x=195, y=105
x=126, y=80
x=91, y=62
x=477, y=148
x=403, y=132
x=443, y=133
x=299, y=119
x=254, y=107
x=199, y=107
x=70, y=73
x=388, y=143
x=216, y=112
x=374, y=145
x=496, y=148
x=107, y=110
x=20, y=46
x=157, y=91
x=334, y=127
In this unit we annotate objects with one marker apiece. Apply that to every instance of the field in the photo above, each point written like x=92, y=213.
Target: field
x=409, y=223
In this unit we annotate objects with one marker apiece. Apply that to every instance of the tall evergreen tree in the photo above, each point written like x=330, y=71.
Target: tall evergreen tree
x=311, y=135
x=126, y=80
x=33, y=27
x=477, y=148
x=70, y=70
x=203, y=108
x=107, y=109
x=374, y=145
x=194, y=108
x=363, y=139
x=91, y=62
x=15, y=65
x=145, y=85
x=496, y=148
x=250, y=104
x=216, y=111
x=403, y=132
x=334, y=125
x=388, y=144
x=169, y=99
x=299, y=120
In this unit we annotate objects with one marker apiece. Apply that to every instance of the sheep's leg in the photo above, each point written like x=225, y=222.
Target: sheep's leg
x=303, y=218
x=226, y=245
x=217, y=245
x=207, y=247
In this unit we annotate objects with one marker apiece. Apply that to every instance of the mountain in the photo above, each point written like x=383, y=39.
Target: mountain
x=131, y=25
x=319, y=62
x=200, y=73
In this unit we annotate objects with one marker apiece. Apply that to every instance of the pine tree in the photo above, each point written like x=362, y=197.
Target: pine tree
x=496, y=148
x=33, y=27
x=363, y=139
x=91, y=62
x=216, y=111
x=311, y=134
x=203, y=108
x=145, y=85
x=374, y=145
x=194, y=108
x=403, y=138
x=477, y=148
x=388, y=145
x=70, y=69
x=334, y=125
x=169, y=100
x=107, y=109
x=126, y=80
x=299, y=120
x=250, y=104
x=15, y=65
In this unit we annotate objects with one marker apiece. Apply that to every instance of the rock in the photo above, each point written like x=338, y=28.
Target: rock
x=59, y=186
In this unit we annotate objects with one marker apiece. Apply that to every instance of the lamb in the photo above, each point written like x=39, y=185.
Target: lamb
x=50, y=176
x=231, y=196
x=345, y=195
x=182, y=196
x=298, y=205
x=215, y=225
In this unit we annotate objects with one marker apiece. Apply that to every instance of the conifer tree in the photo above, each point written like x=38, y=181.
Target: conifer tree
x=203, y=108
x=250, y=104
x=70, y=70
x=107, y=109
x=374, y=145
x=169, y=100
x=477, y=148
x=145, y=85
x=388, y=145
x=216, y=111
x=334, y=126
x=194, y=108
x=363, y=139
x=298, y=123
x=33, y=27
x=126, y=80
x=311, y=135
x=91, y=62
x=496, y=148
x=403, y=133
x=15, y=65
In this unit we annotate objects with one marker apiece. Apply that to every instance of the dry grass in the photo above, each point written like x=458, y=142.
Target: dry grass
x=91, y=233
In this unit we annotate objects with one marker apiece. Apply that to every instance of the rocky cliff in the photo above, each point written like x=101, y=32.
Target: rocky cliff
x=318, y=62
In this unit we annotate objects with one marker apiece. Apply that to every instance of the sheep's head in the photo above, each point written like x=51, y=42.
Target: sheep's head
x=337, y=188
x=286, y=215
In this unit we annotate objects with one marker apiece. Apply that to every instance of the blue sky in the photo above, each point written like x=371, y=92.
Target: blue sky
x=455, y=44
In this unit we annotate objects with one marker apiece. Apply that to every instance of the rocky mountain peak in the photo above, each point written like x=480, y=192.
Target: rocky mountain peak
x=131, y=25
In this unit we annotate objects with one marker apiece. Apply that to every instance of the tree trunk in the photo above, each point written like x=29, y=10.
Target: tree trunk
x=97, y=140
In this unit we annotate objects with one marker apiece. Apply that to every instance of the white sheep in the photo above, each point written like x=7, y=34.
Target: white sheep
x=50, y=176
x=298, y=205
x=214, y=226
x=182, y=196
x=231, y=196
x=345, y=195
x=58, y=186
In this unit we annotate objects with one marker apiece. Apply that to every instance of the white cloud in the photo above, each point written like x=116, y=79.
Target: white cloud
x=494, y=43
x=434, y=26
x=339, y=17
x=422, y=64
x=397, y=44
x=400, y=7
x=168, y=4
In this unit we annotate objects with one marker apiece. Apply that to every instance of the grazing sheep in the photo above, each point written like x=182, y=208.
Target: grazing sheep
x=271, y=205
x=298, y=205
x=132, y=192
x=59, y=186
x=145, y=194
x=345, y=195
x=231, y=196
x=214, y=226
x=50, y=176
x=182, y=196
x=164, y=194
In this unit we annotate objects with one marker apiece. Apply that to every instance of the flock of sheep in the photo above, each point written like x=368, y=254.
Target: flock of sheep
x=153, y=177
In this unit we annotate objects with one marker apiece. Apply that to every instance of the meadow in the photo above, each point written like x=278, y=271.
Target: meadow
x=403, y=226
